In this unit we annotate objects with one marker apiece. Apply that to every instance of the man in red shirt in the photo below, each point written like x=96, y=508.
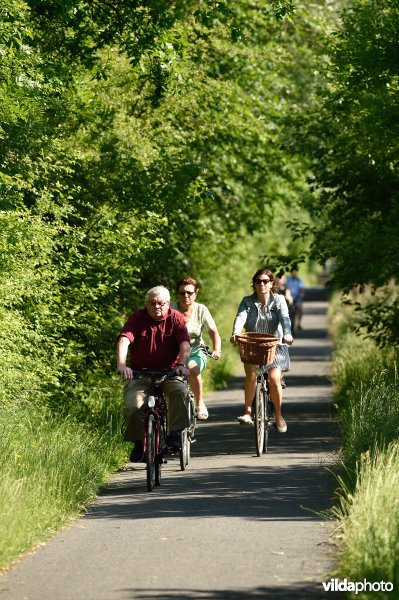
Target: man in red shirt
x=155, y=338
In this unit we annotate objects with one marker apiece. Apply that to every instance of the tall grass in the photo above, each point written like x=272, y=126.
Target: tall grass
x=50, y=468
x=369, y=522
x=367, y=397
x=366, y=383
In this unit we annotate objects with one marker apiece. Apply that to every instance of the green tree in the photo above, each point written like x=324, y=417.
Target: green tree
x=352, y=137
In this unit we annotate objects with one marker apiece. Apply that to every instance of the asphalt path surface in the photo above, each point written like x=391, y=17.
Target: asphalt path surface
x=232, y=526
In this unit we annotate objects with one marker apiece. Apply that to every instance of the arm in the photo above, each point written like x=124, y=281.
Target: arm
x=121, y=355
x=285, y=320
x=184, y=352
x=209, y=324
x=216, y=343
x=240, y=320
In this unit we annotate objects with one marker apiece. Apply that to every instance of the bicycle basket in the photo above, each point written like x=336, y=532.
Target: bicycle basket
x=257, y=348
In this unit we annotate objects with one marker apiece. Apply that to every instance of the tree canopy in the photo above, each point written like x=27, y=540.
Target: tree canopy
x=138, y=141
x=351, y=135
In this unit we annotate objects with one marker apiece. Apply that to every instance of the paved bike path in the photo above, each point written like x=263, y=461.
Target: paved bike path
x=233, y=526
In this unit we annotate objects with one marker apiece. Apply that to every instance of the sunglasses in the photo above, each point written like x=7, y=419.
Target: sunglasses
x=260, y=281
x=161, y=304
x=186, y=293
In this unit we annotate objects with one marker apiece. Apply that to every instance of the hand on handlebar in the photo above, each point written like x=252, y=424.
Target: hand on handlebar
x=125, y=372
x=182, y=371
x=233, y=340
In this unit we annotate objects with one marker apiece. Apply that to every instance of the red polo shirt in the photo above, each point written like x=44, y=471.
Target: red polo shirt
x=155, y=345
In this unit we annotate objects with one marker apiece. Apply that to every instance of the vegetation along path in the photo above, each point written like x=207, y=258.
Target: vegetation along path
x=232, y=526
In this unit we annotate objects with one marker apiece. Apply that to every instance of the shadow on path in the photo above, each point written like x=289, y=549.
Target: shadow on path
x=299, y=591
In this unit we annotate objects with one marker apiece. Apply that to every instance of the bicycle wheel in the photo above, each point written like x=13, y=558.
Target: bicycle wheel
x=184, y=449
x=150, y=454
x=269, y=412
x=191, y=427
x=259, y=419
x=159, y=449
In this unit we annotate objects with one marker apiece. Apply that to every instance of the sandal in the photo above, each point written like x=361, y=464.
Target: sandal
x=247, y=419
x=282, y=428
x=202, y=412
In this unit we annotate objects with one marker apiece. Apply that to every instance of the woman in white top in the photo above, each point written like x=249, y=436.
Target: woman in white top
x=198, y=319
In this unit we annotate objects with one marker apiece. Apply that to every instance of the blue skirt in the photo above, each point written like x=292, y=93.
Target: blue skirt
x=281, y=359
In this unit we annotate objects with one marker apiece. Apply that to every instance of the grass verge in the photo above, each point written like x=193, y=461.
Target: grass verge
x=367, y=396
x=51, y=467
x=369, y=523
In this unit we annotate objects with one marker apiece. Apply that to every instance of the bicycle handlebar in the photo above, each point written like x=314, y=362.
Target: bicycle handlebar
x=163, y=373
x=206, y=350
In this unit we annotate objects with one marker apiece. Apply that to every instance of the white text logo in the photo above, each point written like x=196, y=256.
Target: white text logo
x=338, y=585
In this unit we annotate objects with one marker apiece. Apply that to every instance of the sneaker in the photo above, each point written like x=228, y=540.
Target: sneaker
x=173, y=441
x=247, y=419
x=137, y=453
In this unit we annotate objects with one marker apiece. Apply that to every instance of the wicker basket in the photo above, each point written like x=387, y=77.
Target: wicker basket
x=257, y=348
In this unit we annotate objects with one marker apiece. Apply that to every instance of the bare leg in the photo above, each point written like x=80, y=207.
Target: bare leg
x=276, y=394
x=195, y=383
x=249, y=388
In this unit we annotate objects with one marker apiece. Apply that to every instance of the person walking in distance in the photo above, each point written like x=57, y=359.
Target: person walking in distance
x=297, y=289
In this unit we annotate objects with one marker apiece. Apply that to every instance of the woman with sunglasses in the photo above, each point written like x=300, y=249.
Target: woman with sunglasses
x=198, y=319
x=265, y=311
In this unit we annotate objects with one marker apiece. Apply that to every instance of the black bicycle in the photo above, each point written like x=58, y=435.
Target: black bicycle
x=262, y=411
x=155, y=429
x=187, y=435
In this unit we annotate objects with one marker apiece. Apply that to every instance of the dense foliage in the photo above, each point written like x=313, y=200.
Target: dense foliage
x=138, y=140
x=352, y=138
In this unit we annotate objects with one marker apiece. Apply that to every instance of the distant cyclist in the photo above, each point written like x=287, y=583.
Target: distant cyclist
x=156, y=338
x=297, y=289
x=198, y=320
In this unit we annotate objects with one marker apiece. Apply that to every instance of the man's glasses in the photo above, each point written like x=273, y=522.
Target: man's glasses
x=264, y=281
x=154, y=303
x=186, y=293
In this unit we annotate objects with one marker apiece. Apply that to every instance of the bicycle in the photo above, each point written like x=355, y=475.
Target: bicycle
x=187, y=435
x=155, y=426
x=259, y=349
